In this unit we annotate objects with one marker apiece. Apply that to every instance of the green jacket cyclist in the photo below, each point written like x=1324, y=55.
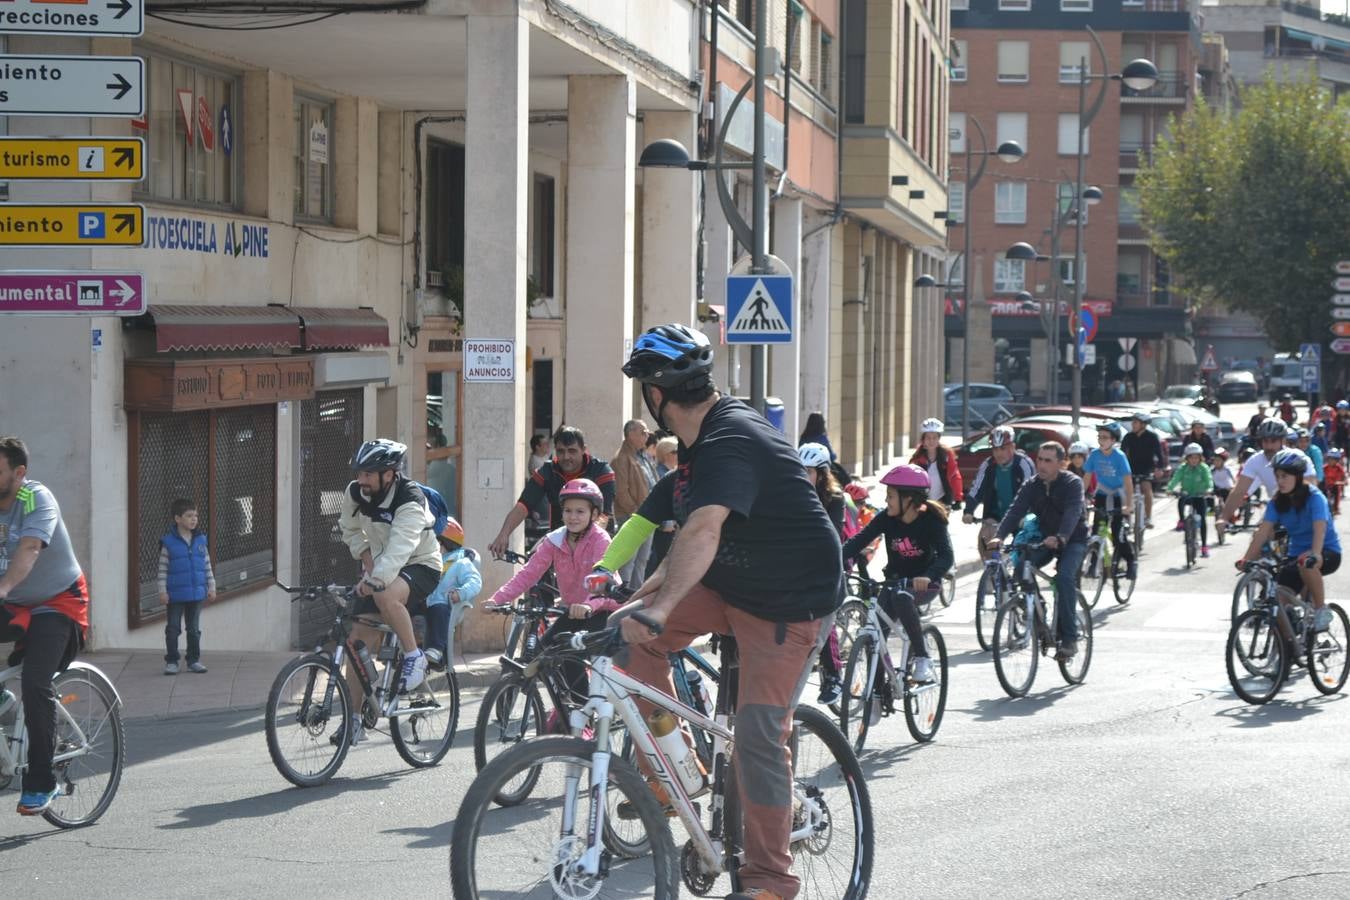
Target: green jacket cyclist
x=1195, y=482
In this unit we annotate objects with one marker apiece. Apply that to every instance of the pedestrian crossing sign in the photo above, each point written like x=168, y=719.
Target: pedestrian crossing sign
x=759, y=309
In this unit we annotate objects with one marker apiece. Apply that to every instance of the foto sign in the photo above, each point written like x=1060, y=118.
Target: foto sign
x=490, y=361
x=72, y=293
x=72, y=224
x=95, y=18
x=72, y=159
x=72, y=86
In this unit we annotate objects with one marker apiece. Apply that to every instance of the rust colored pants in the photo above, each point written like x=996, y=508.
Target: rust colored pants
x=775, y=659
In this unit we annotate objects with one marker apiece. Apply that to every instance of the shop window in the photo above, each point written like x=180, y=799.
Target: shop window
x=313, y=159
x=191, y=129
x=225, y=462
x=444, y=450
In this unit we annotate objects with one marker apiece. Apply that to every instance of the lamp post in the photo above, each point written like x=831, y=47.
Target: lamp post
x=1007, y=152
x=1139, y=75
x=671, y=154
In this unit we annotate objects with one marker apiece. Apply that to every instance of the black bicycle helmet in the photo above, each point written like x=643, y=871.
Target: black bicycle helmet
x=671, y=356
x=1272, y=428
x=379, y=455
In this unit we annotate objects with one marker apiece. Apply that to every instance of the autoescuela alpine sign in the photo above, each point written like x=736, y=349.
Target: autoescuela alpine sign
x=490, y=361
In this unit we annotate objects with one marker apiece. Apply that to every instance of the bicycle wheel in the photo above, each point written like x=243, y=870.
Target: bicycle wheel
x=89, y=733
x=528, y=851
x=308, y=710
x=988, y=596
x=848, y=621
x=1094, y=575
x=624, y=837
x=1192, y=540
x=925, y=703
x=858, y=698
x=1328, y=661
x=947, y=590
x=1257, y=663
x=1251, y=587
x=832, y=831
x=423, y=734
x=1122, y=585
x=1016, y=647
x=511, y=712
x=1218, y=532
x=1138, y=525
x=1075, y=669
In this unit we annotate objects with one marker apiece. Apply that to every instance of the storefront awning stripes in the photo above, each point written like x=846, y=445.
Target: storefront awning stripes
x=203, y=328
x=331, y=328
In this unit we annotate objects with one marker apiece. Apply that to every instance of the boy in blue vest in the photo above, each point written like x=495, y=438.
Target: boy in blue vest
x=185, y=581
x=454, y=596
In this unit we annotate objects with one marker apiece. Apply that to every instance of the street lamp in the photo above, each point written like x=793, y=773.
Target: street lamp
x=1007, y=152
x=1138, y=75
x=671, y=154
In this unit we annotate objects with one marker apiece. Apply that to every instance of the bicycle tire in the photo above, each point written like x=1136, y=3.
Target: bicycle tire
x=987, y=601
x=855, y=703
x=1219, y=533
x=533, y=755
x=947, y=590
x=1075, y=670
x=1268, y=661
x=1251, y=587
x=849, y=619
x=495, y=718
x=1122, y=585
x=850, y=782
x=1013, y=632
x=103, y=722
x=440, y=691
x=1138, y=525
x=617, y=840
x=1191, y=538
x=923, y=716
x=1327, y=674
x=315, y=731
x=1094, y=575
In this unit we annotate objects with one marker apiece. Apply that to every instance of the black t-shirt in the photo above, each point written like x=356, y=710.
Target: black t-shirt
x=1144, y=451
x=779, y=555
x=659, y=505
x=921, y=548
x=547, y=481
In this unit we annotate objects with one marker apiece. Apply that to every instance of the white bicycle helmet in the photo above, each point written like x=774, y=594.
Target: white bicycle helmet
x=1193, y=449
x=1001, y=435
x=1079, y=448
x=813, y=455
x=933, y=425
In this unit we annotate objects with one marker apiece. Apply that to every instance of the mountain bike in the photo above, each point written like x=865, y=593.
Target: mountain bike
x=1256, y=581
x=553, y=845
x=1191, y=522
x=90, y=742
x=1024, y=631
x=1278, y=632
x=309, y=708
x=522, y=636
x=995, y=582
x=872, y=681
x=1104, y=561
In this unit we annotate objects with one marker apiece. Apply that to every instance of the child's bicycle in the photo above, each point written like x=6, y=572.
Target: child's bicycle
x=872, y=682
x=90, y=742
x=1191, y=522
x=555, y=845
x=1102, y=562
x=1024, y=631
x=309, y=708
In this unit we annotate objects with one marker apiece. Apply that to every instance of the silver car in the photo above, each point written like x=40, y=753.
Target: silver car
x=989, y=405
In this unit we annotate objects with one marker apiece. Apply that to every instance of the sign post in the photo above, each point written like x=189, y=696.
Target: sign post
x=759, y=307
x=1209, y=363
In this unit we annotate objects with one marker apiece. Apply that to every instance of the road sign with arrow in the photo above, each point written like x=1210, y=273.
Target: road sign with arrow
x=72, y=293
x=72, y=86
x=72, y=158
x=95, y=18
x=72, y=224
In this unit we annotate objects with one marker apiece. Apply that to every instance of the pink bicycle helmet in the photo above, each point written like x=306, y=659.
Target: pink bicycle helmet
x=582, y=489
x=907, y=477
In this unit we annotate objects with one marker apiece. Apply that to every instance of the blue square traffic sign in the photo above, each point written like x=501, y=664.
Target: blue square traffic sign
x=93, y=226
x=759, y=309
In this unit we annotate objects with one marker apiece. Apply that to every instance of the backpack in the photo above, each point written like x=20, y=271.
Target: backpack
x=436, y=503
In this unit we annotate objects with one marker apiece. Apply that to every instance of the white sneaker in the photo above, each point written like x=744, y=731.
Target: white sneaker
x=1322, y=620
x=923, y=670
x=414, y=670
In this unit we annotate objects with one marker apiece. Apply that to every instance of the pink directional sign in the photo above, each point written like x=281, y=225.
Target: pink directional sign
x=72, y=293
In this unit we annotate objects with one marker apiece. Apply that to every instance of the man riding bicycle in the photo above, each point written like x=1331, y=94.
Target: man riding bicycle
x=388, y=525
x=1147, y=459
x=44, y=610
x=1110, y=471
x=997, y=482
x=756, y=557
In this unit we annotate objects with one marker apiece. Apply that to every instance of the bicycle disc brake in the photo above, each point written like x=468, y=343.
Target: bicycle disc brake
x=809, y=808
x=569, y=883
x=699, y=881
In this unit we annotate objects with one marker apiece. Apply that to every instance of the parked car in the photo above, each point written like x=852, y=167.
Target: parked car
x=989, y=404
x=1030, y=434
x=1191, y=395
x=1238, y=387
x=1221, y=430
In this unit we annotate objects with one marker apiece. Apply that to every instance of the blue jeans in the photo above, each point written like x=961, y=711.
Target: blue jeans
x=173, y=625
x=1066, y=586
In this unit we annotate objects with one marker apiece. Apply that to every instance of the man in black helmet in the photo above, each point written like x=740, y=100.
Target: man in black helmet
x=756, y=557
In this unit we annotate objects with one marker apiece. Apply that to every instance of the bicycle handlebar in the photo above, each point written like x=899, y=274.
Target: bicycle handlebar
x=512, y=556
x=311, y=592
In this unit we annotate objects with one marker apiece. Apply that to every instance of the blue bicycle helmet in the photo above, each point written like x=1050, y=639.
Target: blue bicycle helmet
x=669, y=356
x=1115, y=429
x=1295, y=462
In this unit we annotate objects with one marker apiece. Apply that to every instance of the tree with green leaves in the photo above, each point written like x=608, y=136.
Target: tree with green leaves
x=1252, y=210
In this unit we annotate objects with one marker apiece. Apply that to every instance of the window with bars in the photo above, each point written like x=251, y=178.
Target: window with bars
x=193, y=112
x=313, y=159
x=224, y=461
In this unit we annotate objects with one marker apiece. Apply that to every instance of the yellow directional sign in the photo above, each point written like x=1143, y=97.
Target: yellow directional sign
x=72, y=224
x=79, y=158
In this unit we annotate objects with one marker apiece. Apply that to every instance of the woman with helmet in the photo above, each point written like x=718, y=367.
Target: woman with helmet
x=997, y=482
x=944, y=476
x=1112, y=489
x=1314, y=547
x=1194, y=481
x=1256, y=472
x=453, y=598
x=918, y=547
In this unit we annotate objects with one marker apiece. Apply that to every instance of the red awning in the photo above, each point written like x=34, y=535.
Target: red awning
x=334, y=328
x=180, y=327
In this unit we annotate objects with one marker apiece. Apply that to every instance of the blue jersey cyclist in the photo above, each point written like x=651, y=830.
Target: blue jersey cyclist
x=1108, y=469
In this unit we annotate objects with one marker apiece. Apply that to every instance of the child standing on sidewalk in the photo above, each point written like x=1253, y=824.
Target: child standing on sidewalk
x=453, y=598
x=185, y=582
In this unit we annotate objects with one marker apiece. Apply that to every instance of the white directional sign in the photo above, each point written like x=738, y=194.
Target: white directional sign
x=72, y=86
x=91, y=17
x=1341, y=312
x=1341, y=284
x=1343, y=267
x=1340, y=299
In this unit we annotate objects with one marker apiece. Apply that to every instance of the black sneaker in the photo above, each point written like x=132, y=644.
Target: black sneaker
x=831, y=689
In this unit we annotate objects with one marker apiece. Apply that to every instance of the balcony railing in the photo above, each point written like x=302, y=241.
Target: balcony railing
x=1171, y=85
x=1153, y=6
x=1328, y=53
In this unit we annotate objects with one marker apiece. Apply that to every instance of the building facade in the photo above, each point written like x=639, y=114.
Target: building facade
x=1016, y=65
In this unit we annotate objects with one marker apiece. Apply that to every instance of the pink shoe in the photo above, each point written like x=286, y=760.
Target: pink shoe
x=1204, y=553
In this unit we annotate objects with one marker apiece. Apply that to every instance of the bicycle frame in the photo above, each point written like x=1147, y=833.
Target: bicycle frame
x=876, y=619
x=14, y=750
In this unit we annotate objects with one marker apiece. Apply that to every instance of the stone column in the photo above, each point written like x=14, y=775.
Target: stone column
x=601, y=115
x=785, y=360
x=847, y=429
x=669, y=226
x=496, y=154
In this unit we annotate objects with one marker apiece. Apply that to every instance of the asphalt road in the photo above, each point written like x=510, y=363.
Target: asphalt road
x=1152, y=779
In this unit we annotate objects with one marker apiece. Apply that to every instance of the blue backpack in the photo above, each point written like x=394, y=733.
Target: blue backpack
x=436, y=503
